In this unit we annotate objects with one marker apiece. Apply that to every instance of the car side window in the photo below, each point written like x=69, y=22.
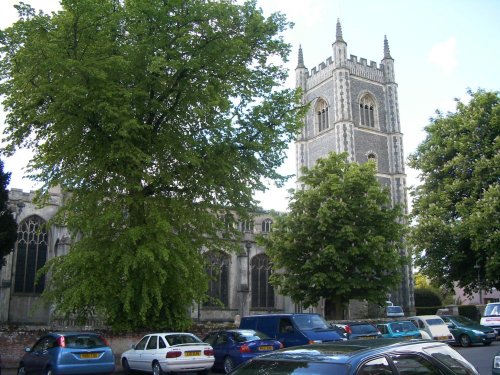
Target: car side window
x=377, y=366
x=382, y=328
x=210, y=339
x=410, y=364
x=51, y=342
x=222, y=339
x=152, y=343
x=40, y=344
x=286, y=325
x=161, y=343
x=142, y=344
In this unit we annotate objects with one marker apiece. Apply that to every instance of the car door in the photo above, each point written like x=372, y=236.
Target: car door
x=211, y=339
x=134, y=358
x=36, y=361
x=149, y=353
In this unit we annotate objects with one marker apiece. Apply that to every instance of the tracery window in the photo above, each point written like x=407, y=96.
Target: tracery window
x=31, y=255
x=246, y=226
x=321, y=111
x=367, y=111
x=267, y=226
x=217, y=264
x=262, y=290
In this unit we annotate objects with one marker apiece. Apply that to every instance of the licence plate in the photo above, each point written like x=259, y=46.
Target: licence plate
x=89, y=355
x=442, y=338
x=192, y=353
x=269, y=347
x=368, y=337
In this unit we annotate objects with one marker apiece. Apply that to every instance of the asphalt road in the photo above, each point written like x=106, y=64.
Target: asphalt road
x=479, y=355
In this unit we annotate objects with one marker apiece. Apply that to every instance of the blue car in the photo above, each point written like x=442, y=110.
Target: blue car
x=401, y=329
x=235, y=346
x=68, y=353
x=361, y=357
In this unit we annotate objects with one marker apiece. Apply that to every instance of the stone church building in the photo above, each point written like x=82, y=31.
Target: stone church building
x=354, y=109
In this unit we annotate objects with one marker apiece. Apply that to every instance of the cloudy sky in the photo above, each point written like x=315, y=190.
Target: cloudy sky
x=440, y=49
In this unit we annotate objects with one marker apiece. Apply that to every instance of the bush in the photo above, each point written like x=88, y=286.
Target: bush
x=470, y=311
x=427, y=310
x=426, y=297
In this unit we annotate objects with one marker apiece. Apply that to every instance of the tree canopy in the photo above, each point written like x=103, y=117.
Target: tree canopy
x=157, y=117
x=341, y=237
x=8, y=226
x=456, y=208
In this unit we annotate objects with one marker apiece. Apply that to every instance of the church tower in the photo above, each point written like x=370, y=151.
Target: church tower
x=354, y=109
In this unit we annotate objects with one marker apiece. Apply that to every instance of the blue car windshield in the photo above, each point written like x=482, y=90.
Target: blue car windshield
x=310, y=322
x=394, y=309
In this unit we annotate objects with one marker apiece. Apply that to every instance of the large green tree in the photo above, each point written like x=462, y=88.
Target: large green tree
x=341, y=237
x=8, y=226
x=157, y=117
x=456, y=207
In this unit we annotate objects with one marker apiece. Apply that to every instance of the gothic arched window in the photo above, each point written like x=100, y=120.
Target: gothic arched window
x=262, y=290
x=217, y=263
x=267, y=226
x=246, y=226
x=367, y=111
x=31, y=255
x=321, y=111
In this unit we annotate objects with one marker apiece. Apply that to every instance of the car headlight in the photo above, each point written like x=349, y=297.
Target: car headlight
x=496, y=361
x=478, y=332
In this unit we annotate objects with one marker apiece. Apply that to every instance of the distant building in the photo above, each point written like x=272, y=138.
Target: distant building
x=354, y=109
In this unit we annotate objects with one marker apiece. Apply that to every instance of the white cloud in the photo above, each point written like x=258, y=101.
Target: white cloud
x=444, y=55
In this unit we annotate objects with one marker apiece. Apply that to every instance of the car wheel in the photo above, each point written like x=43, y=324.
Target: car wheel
x=21, y=370
x=126, y=367
x=228, y=364
x=464, y=340
x=157, y=369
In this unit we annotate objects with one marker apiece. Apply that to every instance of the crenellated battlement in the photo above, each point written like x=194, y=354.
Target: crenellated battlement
x=360, y=68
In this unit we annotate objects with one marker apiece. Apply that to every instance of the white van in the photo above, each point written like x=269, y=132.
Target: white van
x=432, y=327
x=491, y=317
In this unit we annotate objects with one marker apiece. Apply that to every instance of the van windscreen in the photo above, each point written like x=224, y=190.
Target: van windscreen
x=310, y=322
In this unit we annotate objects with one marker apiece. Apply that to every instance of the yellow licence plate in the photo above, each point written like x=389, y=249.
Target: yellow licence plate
x=192, y=353
x=368, y=337
x=442, y=337
x=262, y=348
x=89, y=355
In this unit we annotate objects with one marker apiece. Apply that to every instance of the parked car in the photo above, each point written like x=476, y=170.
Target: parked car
x=160, y=353
x=68, y=353
x=361, y=330
x=235, y=346
x=468, y=332
x=361, y=357
x=292, y=329
x=394, y=312
x=433, y=327
x=495, y=369
x=400, y=329
x=491, y=317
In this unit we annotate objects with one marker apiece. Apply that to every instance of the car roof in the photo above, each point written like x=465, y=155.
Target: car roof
x=345, y=351
x=425, y=316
